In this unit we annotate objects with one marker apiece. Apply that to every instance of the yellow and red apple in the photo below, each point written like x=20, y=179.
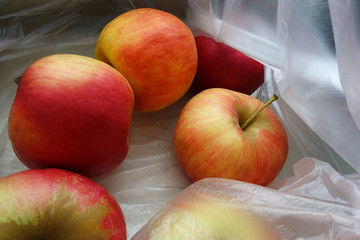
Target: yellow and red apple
x=221, y=66
x=57, y=204
x=209, y=140
x=71, y=112
x=197, y=215
x=155, y=51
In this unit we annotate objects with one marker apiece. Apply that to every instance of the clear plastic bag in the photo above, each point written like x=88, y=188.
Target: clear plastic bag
x=150, y=175
x=345, y=19
x=317, y=203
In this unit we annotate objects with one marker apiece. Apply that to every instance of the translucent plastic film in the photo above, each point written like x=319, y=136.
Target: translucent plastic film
x=346, y=25
x=317, y=203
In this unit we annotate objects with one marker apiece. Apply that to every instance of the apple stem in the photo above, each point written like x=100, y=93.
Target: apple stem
x=253, y=116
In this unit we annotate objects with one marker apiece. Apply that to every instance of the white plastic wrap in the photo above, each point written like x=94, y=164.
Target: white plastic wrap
x=346, y=24
x=317, y=203
x=150, y=175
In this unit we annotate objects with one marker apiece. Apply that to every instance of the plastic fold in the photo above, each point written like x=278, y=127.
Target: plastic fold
x=317, y=203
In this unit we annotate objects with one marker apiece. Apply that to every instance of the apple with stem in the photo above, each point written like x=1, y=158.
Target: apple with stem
x=221, y=66
x=71, y=112
x=227, y=134
x=57, y=204
x=155, y=51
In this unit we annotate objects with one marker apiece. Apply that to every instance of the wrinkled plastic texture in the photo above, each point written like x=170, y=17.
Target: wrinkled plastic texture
x=346, y=24
x=317, y=203
x=294, y=39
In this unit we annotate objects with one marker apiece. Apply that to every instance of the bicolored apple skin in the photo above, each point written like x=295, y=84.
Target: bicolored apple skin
x=221, y=66
x=71, y=112
x=209, y=142
x=57, y=204
x=203, y=215
x=155, y=51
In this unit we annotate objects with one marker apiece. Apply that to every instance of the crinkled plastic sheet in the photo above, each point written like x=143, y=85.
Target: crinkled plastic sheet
x=317, y=203
x=346, y=25
x=313, y=95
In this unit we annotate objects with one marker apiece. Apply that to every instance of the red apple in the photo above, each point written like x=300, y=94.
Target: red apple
x=57, y=204
x=210, y=141
x=155, y=51
x=71, y=112
x=221, y=66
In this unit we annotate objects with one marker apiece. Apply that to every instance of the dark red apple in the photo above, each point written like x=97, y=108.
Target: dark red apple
x=221, y=66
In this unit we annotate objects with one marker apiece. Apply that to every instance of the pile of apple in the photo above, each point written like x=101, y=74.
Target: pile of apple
x=70, y=121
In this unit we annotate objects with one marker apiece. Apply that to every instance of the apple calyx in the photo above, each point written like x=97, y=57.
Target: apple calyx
x=17, y=79
x=253, y=116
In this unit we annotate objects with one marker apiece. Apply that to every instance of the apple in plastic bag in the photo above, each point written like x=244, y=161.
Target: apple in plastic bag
x=57, y=204
x=71, y=112
x=221, y=66
x=198, y=216
x=155, y=51
x=217, y=136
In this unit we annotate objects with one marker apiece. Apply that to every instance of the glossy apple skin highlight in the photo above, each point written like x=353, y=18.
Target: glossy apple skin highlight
x=71, y=112
x=57, y=204
x=221, y=66
x=209, y=142
x=155, y=51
